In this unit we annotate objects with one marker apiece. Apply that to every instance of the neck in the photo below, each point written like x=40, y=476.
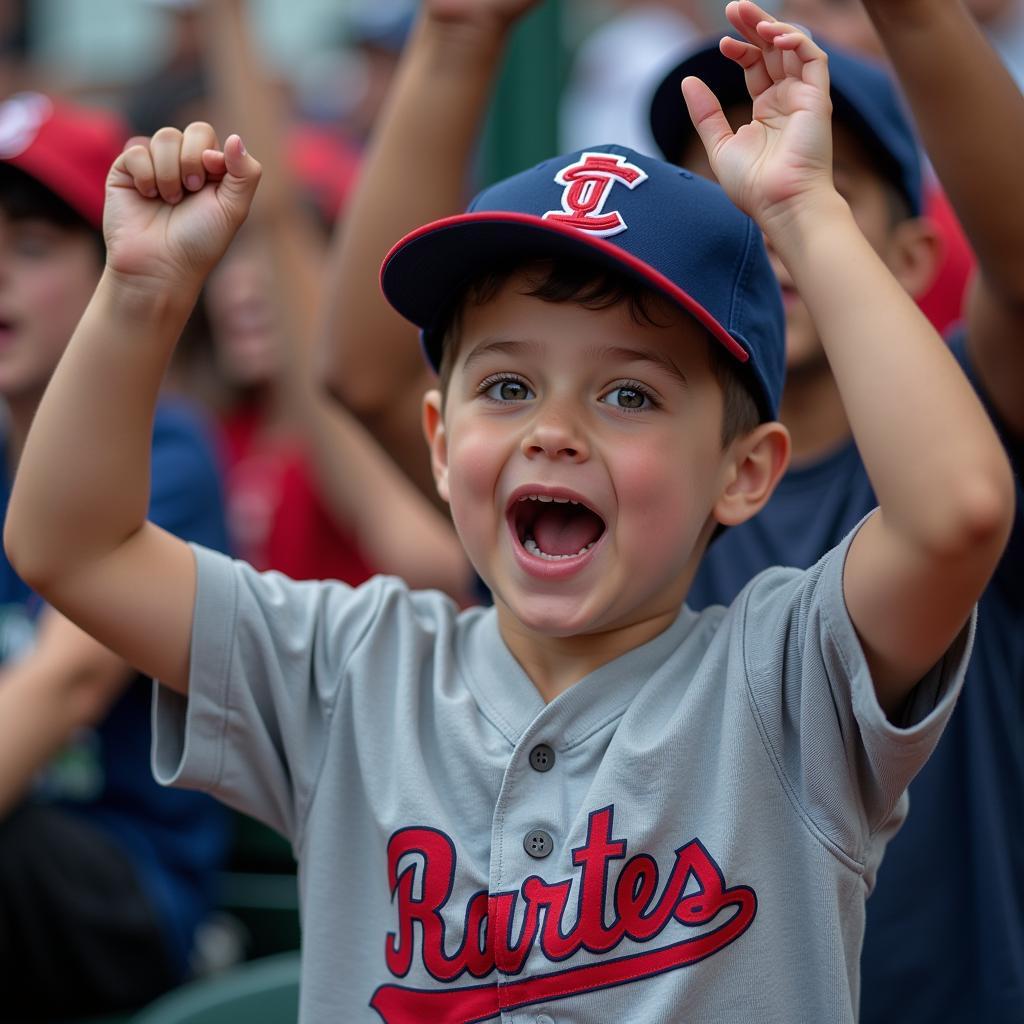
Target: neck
x=556, y=663
x=813, y=412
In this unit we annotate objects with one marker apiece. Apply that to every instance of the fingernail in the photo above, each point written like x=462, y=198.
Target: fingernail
x=192, y=182
x=176, y=198
x=241, y=146
x=152, y=193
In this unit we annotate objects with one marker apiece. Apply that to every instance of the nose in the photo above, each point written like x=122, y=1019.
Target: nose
x=555, y=434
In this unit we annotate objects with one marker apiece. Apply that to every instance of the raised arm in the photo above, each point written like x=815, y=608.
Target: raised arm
x=76, y=527
x=401, y=532
x=970, y=114
x=416, y=170
x=944, y=489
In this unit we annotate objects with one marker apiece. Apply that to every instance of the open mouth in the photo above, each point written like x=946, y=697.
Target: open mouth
x=555, y=528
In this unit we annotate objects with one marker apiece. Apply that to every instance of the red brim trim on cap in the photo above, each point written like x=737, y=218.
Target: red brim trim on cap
x=637, y=266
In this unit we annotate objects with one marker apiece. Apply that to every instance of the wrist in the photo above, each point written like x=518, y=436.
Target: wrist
x=136, y=298
x=788, y=227
x=461, y=45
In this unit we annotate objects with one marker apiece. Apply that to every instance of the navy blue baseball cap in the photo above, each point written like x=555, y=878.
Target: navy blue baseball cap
x=670, y=229
x=864, y=98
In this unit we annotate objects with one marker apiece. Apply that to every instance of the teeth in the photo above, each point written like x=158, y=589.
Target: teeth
x=549, y=497
x=531, y=545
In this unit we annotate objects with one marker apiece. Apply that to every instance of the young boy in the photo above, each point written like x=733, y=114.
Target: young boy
x=104, y=876
x=586, y=803
x=963, y=834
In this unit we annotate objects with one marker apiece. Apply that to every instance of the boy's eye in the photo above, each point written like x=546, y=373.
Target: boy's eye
x=508, y=389
x=628, y=397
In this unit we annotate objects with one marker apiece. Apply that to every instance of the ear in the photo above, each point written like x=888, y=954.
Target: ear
x=437, y=441
x=755, y=465
x=914, y=253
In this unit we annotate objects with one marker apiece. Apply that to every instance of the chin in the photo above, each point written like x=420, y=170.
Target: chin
x=557, y=618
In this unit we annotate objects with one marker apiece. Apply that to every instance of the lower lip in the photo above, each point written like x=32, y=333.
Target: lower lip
x=550, y=568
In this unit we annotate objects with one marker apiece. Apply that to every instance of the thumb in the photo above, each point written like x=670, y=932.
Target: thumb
x=241, y=176
x=707, y=116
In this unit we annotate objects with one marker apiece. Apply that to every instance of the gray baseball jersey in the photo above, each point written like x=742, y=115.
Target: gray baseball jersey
x=688, y=834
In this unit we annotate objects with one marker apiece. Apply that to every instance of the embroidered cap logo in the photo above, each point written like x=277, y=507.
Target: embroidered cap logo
x=588, y=183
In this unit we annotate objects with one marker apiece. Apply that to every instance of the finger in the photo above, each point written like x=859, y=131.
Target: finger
x=751, y=59
x=198, y=137
x=136, y=140
x=805, y=58
x=166, y=149
x=242, y=175
x=735, y=14
x=707, y=116
x=136, y=164
x=213, y=164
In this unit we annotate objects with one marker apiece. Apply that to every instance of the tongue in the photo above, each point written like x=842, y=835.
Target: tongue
x=565, y=529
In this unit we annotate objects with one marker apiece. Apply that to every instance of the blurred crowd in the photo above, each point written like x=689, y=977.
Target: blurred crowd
x=107, y=880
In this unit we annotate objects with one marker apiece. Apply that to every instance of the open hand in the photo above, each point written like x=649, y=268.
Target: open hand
x=173, y=204
x=784, y=155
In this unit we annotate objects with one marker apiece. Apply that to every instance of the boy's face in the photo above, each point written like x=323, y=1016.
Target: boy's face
x=47, y=276
x=581, y=454
x=868, y=197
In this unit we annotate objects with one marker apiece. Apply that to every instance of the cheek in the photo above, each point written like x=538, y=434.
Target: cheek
x=656, y=506
x=56, y=296
x=475, y=460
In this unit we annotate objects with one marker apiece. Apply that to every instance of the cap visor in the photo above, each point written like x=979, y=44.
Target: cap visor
x=428, y=269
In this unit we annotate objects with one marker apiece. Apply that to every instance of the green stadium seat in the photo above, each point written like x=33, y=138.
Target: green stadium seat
x=264, y=991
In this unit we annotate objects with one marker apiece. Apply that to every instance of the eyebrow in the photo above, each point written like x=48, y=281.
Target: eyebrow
x=643, y=355
x=493, y=346
x=499, y=346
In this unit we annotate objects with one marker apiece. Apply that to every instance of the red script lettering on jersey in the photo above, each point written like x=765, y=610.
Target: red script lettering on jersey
x=488, y=944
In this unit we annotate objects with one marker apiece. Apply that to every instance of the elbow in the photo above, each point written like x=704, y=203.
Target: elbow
x=20, y=553
x=981, y=514
x=32, y=553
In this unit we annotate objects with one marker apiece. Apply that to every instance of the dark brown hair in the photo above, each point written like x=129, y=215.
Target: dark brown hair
x=597, y=287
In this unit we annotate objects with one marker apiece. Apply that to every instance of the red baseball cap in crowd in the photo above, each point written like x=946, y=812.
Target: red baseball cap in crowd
x=64, y=146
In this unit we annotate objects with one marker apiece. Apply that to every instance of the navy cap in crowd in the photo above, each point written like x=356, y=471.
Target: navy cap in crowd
x=673, y=231
x=864, y=99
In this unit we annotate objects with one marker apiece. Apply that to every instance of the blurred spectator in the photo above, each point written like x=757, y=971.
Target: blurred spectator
x=310, y=493
x=104, y=876
x=375, y=33
x=846, y=23
x=13, y=45
x=617, y=67
x=175, y=92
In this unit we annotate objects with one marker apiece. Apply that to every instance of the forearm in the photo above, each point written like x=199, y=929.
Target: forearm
x=82, y=487
x=970, y=115
x=415, y=171
x=401, y=532
x=934, y=460
x=45, y=698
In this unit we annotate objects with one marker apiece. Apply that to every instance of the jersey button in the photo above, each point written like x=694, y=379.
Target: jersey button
x=542, y=758
x=538, y=843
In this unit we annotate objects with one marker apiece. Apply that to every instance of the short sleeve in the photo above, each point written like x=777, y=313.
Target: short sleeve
x=268, y=657
x=842, y=761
